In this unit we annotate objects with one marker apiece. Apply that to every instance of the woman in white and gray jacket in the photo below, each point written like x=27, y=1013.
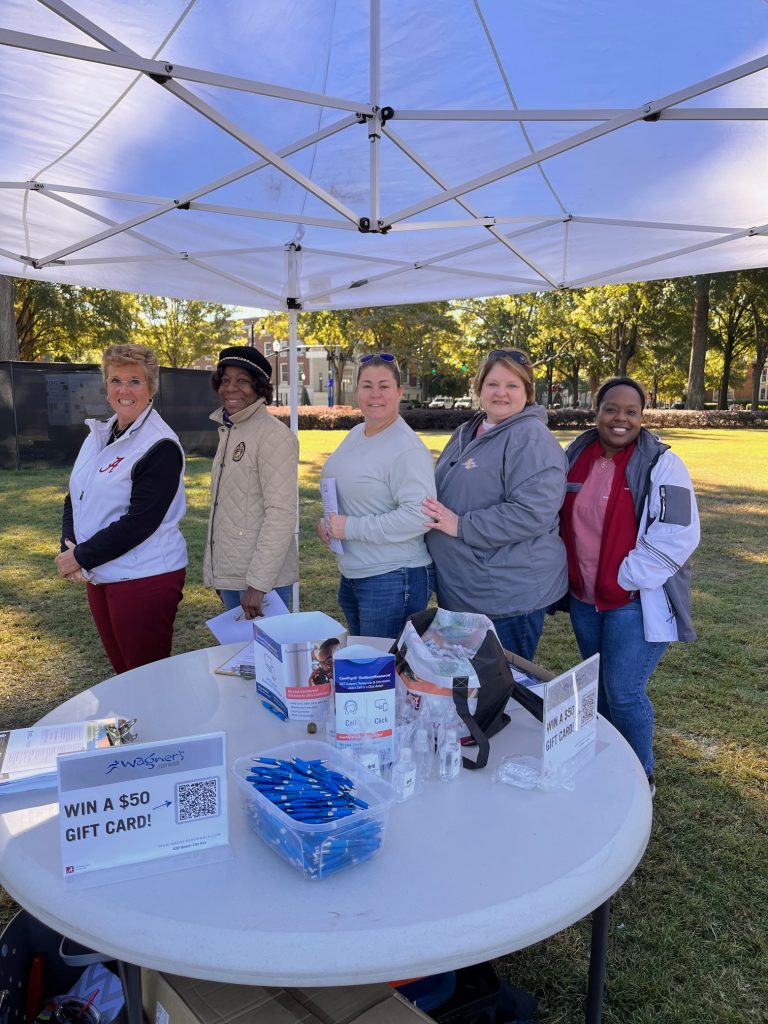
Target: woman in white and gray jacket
x=494, y=534
x=630, y=525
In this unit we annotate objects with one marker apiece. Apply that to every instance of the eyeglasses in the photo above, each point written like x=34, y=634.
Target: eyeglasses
x=386, y=357
x=510, y=353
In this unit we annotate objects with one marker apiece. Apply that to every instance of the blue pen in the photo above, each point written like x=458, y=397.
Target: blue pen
x=277, y=713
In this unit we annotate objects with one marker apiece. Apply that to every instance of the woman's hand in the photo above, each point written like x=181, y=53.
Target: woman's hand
x=66, y=563
x=77, y=577
x=250, y=602
x=322, y=532
x=441, y=517
x=336, y=526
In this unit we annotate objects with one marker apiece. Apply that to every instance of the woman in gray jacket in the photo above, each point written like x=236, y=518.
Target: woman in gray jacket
x=494, y=525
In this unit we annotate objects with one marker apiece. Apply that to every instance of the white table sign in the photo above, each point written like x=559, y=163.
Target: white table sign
x=570, y=714
x=141, y=802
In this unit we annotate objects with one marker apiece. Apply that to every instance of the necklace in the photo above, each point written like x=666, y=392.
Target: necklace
x=115, y=433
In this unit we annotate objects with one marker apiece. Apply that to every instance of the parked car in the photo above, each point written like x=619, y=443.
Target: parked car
x=409, y=403
x=462, y=403
x=441, y=402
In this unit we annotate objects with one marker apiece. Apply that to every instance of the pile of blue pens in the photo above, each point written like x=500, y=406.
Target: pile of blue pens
x=312, y=794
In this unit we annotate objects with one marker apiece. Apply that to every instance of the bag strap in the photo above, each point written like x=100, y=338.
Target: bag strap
x=460, y=699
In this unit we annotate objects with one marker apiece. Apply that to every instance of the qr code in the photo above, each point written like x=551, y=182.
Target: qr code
x=588, y=708
x=199, y=799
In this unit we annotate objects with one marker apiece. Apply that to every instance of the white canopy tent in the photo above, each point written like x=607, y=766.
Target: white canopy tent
x=340, y=153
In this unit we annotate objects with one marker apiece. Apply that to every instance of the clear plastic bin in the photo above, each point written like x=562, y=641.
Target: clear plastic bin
x=318, y=850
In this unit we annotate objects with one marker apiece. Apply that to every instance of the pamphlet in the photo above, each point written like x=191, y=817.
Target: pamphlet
x=330, y=504
x=28, y=756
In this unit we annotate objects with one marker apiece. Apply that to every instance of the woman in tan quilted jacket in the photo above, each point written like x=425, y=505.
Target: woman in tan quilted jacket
x=251, y=546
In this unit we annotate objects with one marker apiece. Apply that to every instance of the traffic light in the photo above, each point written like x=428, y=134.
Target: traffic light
x=433, y=368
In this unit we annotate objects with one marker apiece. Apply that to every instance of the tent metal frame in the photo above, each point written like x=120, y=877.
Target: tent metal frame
x=377, y=119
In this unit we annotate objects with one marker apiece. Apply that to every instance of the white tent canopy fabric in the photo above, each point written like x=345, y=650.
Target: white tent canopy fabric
x=340, y=153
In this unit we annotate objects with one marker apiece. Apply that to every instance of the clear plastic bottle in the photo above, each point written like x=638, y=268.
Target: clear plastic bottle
x=450, y=757
x=423, y=756
x=404, y=776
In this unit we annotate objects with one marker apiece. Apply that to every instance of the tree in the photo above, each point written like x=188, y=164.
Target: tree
x=731, y=324
x=662, y=356
x=422, y=336
x=758, y=299
x=182, y=330
x=699, y=343
x=9, y=345
x=67, y=323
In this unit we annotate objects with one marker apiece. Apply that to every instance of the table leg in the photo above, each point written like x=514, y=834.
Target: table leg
x=130, y=976
x=598, y=956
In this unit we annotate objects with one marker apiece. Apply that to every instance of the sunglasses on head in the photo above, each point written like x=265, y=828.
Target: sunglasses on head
x=509, y=353
x=387, y=357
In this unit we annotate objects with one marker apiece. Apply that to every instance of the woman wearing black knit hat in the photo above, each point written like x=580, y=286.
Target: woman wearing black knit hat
x=630, y=525
x=251, y=546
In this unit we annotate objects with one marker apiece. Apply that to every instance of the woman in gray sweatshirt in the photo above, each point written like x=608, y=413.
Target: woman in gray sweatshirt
x=494, y=534
x=381, y=472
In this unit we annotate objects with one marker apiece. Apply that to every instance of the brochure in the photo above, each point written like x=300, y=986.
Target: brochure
x=28, y=756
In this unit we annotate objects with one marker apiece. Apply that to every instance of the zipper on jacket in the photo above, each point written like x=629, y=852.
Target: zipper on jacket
x=215, y=497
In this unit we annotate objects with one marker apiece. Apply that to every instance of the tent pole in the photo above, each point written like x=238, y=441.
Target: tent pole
x=293, y=317
x=293, y=393
x=375, y=122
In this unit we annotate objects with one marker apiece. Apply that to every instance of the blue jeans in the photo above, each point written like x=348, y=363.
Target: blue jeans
x=379, y=605
x=231, y=598
x=520, y=634
x=627, y=661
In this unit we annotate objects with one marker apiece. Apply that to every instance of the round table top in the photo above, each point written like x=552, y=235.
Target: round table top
x=468, y=871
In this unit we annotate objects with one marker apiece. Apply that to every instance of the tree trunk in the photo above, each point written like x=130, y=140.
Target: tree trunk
x=761, y=353
x=9, y=343
x=575, y=388
x=699, y=339
x=725, y=380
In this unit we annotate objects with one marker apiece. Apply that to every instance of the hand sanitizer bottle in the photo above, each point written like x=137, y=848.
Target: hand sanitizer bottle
x=450, y=757
x=404, y=776
x=424, y=756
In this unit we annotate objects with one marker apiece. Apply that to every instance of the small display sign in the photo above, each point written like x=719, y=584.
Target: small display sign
x=142, y=802
x=570, y=714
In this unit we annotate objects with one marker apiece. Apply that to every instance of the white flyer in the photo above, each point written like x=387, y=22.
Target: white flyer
x=330, y=504
x=231, y=626
x=142, y=802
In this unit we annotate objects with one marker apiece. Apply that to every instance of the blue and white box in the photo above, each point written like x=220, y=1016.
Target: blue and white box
x=364, y=685
x=292, y=661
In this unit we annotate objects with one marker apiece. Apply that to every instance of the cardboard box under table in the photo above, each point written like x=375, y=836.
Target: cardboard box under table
x=169, y=999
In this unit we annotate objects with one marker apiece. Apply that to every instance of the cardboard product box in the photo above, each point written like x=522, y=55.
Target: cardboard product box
x=364, y=686
x=168, y=999
x=294, y=662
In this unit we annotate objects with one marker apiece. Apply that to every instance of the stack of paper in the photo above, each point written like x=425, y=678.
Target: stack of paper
x=28, y=756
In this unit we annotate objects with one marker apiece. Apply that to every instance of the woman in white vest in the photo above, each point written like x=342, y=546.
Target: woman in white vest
x=120, y=533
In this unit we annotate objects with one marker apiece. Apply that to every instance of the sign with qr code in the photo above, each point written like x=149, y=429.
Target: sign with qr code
x=570, y=714
x=141, y=802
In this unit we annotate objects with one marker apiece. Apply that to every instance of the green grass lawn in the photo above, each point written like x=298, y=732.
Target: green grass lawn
x=688, y=938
